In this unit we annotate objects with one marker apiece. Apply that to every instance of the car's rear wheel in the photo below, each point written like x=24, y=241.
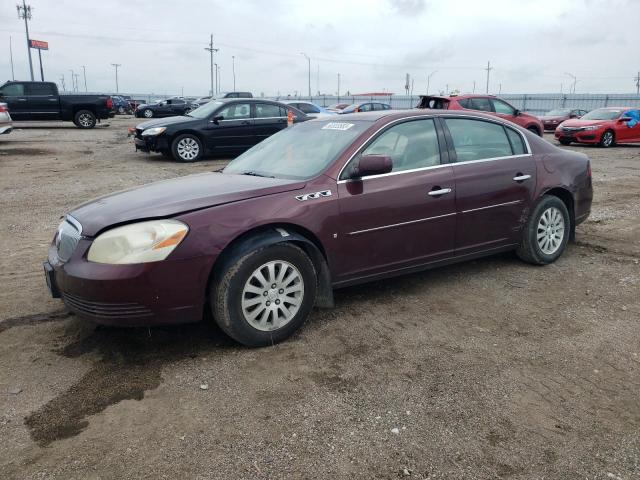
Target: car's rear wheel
x=607, y=140
x=564, y=141
x=121, y=110
x=546, y=234
x=147, y=113
x=187, y=148
x=265, y=295
x=85, y=119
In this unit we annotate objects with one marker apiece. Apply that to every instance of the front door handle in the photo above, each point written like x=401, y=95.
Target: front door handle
x=437, y=191
x=520, y=177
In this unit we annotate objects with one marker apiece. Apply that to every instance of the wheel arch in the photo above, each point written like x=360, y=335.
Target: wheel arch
x=270, y=234
x=533, y=126
x=567, y=198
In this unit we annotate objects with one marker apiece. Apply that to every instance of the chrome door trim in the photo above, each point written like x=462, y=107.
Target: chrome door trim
x=385, y=227
x=515, y=202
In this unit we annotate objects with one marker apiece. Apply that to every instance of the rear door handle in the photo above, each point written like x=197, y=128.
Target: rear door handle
x=437, y=191
x=521, y=178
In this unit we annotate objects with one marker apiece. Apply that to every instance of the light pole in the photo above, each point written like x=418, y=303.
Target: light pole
x=216, y=91
x=73, y=85
x=309, y=61
x=13, y=77
x=338, y=84
x=429, y=79
x=84, y=73
x=24, y=11
x=233, y=66
x=116, y=65
x=575, y=80
x=211, y=50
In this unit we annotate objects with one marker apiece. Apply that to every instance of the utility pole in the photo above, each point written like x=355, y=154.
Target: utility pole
x=77, y=87
x=233, y=66
x=474, y=87
x=575, y=80
x=499, y=88
x=309, y=61
x=637, y=79
x=84, y=72
x=116, y=65
x=216, y=92
x=318, y=79
x=488, y=69
x=24, y=11
x=13, y=77
x=338, y=84
x=73, y=85
x=211, y=50
x=429, y=79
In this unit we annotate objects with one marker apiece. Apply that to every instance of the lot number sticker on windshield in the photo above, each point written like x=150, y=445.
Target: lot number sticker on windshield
x=338, y=126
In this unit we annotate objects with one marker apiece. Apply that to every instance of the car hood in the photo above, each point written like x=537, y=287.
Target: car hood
x=172, y=197
x=165, y=122
x=576, y=122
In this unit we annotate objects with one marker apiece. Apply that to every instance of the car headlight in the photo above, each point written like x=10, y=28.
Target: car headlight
x=592, y=127
x=142, y=242
x=149, y=132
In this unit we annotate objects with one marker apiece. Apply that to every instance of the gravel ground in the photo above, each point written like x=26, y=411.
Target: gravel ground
x=488, y=369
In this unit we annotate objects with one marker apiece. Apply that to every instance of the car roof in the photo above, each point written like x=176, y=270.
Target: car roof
x=456, y=97
x=374, y=116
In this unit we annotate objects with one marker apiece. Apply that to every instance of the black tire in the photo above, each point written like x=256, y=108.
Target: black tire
x=534, y=130
x=565, y=142
x=121, y=110
x=84, y=119
x=147, y=113
x=227, y=293
x=530, y=249
x=187, y=148
x=607, y=139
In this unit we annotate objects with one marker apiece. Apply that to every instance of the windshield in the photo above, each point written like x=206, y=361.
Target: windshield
x=205, y=110
x=561, y=112
x=298, y=152
x=602, y=114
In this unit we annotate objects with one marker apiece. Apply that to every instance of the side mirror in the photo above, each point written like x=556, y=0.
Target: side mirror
x=217, y=118
x=372, y=165
x=624, y=119
x=516, y=112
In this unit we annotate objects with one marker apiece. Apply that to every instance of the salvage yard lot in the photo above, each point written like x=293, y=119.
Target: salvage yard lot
x=489, y=369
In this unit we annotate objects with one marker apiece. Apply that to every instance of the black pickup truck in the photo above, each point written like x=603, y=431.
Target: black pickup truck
x=40, y=101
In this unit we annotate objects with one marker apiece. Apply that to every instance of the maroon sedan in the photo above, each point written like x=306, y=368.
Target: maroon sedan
x=321, y=205
x=553, y=118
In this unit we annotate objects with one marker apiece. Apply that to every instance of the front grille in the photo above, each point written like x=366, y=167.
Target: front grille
x=104, y=309
x=69, y=234
x=571, y=129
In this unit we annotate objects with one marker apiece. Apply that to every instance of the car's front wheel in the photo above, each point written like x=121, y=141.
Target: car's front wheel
x=147, y=113
x=564, y=141
x=546, y=233
x=607, y=139
x=264, y=296
x=187, y=148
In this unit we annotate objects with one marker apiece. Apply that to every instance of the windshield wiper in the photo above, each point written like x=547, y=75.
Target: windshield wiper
x=254, y=174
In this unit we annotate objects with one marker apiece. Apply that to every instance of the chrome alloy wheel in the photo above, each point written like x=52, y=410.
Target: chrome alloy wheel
x=148, y=113
x=272, y=295
x=550, y=232
x=188, y=148
x=607, y=138
x=85, y=120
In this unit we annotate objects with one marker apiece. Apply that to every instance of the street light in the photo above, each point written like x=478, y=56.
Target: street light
x=84, y=72
x=309, y=61
x=429, y=79
x=233, y=66
x=575, y=80
x=116, y=65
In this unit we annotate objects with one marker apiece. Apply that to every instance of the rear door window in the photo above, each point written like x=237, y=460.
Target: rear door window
x=478, y=140
x=13, y=90
x=41, y=89
x=482, y=104
x=267, y=110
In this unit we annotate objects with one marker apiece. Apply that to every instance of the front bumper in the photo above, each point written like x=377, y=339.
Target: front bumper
x=151, y=143
x=583, y=136
x=148, y=294
x=5, y=129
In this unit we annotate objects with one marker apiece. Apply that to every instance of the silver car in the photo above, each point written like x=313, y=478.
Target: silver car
x=6, y=124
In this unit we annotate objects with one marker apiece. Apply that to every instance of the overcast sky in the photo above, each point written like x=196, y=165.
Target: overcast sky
x=373, y=44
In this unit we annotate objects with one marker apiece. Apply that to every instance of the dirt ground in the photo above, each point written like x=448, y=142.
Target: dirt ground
x=488, y=369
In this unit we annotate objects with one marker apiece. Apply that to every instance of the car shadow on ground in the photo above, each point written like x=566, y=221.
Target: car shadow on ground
x=132, y=359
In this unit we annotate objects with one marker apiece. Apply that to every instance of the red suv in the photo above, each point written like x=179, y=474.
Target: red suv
x=484, y=103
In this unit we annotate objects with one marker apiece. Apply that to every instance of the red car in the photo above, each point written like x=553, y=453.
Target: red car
x=553, y=118
x=484, y=103
x=320, y=205
x=603, y=126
